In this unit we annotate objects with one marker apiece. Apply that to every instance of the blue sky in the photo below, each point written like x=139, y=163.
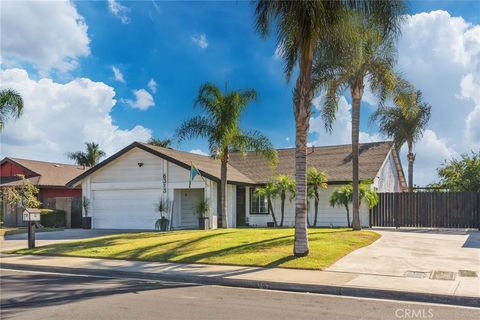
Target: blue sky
x=184, y=44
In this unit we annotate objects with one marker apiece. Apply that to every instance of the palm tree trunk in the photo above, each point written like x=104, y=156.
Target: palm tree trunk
x=270, y=209
x=348, y=216
x=223, y=193
x=411, y=159
x=357, y=92
x=282, y=210
x=316, y=211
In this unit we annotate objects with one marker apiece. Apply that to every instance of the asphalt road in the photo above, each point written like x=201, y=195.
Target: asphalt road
x=27, y=295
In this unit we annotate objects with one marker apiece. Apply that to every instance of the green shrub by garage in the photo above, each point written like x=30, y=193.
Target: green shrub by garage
x=53, y=219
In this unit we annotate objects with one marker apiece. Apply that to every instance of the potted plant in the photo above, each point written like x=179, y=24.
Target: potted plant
x=202, y=211
x=162, y=223
x=86, y=220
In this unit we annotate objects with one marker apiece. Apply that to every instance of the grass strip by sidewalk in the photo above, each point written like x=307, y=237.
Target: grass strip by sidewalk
x=246, y=247
x=7, y=231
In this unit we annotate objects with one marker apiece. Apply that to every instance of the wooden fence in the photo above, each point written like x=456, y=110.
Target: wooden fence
x=427, y=210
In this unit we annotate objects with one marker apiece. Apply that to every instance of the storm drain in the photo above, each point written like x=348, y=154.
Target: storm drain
x=467, y=273
x=416, y=274
x=443, y=275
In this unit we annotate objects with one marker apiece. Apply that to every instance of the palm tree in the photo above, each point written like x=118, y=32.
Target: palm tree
x=316, y=180
x=283, y=184
x=404, y=124
x=11, y=105
x=343, y=196
x=364, y=52
x=164, y=143
x=299, y=28
x=270, y=192
x=87, y=158
x=220, y=126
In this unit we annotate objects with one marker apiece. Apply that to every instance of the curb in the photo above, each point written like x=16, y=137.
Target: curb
x=255, y=284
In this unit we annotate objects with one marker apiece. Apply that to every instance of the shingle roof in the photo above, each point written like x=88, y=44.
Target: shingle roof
x=52, y=174
x=336, y=161
x=254, y=169
x=205, y=164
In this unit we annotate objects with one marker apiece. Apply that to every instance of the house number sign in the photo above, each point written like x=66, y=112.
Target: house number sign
x=164, y=183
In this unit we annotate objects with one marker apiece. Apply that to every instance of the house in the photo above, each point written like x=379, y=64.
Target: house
x=51, y=179
x=124, y=188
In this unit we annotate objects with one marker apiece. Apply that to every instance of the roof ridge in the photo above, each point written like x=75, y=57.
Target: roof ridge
x=41, y=161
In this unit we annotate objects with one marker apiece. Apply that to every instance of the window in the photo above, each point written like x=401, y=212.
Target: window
x=258, y=205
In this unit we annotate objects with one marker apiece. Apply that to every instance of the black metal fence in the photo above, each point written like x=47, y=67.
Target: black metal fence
x=427, y=210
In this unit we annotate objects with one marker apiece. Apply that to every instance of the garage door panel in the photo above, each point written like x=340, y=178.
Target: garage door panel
x=125, y=209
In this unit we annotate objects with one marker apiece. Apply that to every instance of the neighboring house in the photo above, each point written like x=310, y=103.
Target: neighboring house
x=51, y=179
x=124, y=188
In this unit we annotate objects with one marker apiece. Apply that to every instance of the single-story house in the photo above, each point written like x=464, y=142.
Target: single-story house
x=124, y=188
x=51, y=179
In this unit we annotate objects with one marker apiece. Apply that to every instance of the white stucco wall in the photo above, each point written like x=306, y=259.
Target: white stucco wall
x=123, y=186
x=387, y=179
x=327, y=216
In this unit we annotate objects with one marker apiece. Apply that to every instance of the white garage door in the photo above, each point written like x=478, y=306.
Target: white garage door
x=125, y=209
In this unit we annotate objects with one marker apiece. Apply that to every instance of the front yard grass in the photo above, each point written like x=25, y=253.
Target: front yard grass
x=246, y=247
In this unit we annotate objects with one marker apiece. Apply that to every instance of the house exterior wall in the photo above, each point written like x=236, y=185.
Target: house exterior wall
x=8, y=169
x=59, y=192
x=124, y=183
x=387, y=179
x=327, y=216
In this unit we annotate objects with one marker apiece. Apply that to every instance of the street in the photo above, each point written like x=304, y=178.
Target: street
x=31, y=295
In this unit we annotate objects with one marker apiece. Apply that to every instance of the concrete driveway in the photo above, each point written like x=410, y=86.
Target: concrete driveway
x=416, y=257
x=415, y=250
x=19, y=241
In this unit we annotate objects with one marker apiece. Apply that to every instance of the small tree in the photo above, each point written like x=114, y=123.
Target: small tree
x=343, y=196
x=87, y=158
x=270, y=192
x=283, y=183
x=24, y=195
x=316, y=180
x=461, y=174
x=86, y=205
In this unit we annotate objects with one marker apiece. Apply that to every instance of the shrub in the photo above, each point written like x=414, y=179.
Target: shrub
x=53, y=219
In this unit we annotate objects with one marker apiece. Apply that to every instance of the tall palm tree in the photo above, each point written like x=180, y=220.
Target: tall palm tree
x=270, y=192
x=343, y=196
x=404, y=124
x=283, y=184
x=364, y=52
x=316, y=180
x=299, y=27
x=220, y=125
x=11, y=105
x=164, y=143
x=87, y=158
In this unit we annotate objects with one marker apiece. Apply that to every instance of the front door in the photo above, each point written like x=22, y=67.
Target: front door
x=188, y=207
x=241, y=207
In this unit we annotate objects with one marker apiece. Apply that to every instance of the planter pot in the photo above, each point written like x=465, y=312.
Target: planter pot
x=270, y=225
x=87, y=223
x=203, y=223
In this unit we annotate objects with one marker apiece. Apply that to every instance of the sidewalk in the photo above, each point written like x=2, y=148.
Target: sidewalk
x=461, y=291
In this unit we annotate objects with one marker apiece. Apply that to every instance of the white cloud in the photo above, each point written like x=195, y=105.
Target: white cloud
x=152, y=85
x=440, y=55
x=143, y=100
x=198, y=151
x=277, y=55
x=200, y=40
x=119, y=11
x=46, y=34
x=60, y=117
x=118, y=74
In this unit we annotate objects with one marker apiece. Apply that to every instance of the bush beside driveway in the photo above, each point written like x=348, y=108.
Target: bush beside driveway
x=246, y=247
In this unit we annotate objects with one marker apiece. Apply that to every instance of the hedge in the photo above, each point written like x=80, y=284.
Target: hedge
x=53, y=219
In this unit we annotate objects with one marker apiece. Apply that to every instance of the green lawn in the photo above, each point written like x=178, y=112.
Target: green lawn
x=249, y=247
